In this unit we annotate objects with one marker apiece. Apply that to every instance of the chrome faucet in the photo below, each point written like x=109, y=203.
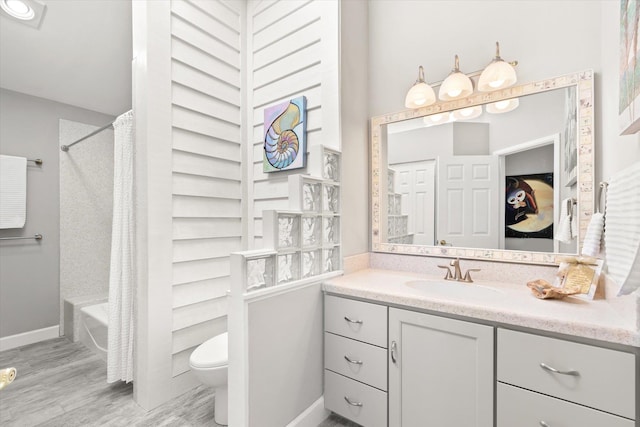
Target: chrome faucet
x=457, y=272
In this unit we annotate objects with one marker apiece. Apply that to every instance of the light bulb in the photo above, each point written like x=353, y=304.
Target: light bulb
x=467, y=113
x=496, y=83
x=503, y=106
x=18, y=9
x=454, y=92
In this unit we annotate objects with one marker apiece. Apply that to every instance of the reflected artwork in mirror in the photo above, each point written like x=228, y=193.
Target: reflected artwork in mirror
x=447, y=178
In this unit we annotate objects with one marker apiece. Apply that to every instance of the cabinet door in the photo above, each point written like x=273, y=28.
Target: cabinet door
x=440, y=371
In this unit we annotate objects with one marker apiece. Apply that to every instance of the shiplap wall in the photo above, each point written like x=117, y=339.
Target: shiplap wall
x=206, y=81
x=292, y=51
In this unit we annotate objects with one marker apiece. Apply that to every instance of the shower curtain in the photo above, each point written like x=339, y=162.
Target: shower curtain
x=122, y=274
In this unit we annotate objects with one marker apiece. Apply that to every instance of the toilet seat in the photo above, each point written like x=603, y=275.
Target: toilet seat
x=213, y=353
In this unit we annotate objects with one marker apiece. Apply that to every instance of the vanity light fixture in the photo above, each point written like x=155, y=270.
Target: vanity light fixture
x=499, y=74
x=437, y=119
x=467, y=113
x=28, y=12
x=503, y=106
x=457, y=85
x=420, y=94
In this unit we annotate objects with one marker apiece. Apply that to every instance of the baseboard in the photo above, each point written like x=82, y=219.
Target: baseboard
x=312, y=416
x=25, y=338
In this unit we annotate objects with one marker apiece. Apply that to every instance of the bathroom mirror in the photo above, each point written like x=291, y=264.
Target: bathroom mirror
x=493, y=176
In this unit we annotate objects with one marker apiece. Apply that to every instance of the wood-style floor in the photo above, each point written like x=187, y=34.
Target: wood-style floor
x=60, y=383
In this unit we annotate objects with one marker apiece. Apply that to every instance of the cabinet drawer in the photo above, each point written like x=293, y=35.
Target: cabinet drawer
x=605, y=378
x=368, y=363
x=518, y=407
x=359, y=320
x=371, y=409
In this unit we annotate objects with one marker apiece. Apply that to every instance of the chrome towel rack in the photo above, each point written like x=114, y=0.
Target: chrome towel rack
x=36, y=161
x=36, y=237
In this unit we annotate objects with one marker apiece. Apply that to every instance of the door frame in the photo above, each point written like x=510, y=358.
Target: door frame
x=554, y=139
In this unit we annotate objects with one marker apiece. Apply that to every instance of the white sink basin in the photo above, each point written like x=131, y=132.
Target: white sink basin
x=447, y=288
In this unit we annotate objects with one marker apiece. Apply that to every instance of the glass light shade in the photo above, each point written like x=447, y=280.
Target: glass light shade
x=420, y=95
x=436, y=119
x=468, y=113
x=503, y=106
x=18, y=9
x=456, y=86
x=498, y=75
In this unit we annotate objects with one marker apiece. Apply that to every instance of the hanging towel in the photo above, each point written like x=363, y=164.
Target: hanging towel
x=564, y=232
x=622, y=229
x=13, y=191
x=593, y=239
x=122, y=274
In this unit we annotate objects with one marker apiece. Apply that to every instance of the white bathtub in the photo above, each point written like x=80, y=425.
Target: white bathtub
x=94, y=328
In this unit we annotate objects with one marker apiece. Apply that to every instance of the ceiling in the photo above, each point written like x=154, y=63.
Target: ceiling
x=80, y=55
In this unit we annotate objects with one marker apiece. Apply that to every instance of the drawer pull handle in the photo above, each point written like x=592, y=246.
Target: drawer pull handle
x=355, y=362
x=556, y=371
x=352, y=403
x=358, y=322
x=393, y=350
x=543, y=424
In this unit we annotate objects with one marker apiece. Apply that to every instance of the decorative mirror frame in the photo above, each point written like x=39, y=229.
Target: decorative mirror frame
x=583, y=81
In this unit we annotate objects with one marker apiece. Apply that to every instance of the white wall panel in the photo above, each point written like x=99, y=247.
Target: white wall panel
x=185, y=317
x=287, y=24
x=184, y=74
x=191, y=12
x=194, y=185
x=185, y=250
x=204, y=104
x=207, y=167
x=202, y=290
x=200, y=144
x=306, y=36
x=204, y=228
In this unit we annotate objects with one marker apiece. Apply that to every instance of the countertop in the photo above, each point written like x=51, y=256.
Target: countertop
x=494, y=301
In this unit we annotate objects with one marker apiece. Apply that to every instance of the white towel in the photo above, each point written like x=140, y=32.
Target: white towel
x=622, y=229
x=564, y=232
x=593, y=239
x=13, y=191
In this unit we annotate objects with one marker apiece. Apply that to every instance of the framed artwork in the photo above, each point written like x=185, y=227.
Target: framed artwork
x=580, y=275
x=569, y=148
x=529, y=206
x=285, y=133
x=629, y=102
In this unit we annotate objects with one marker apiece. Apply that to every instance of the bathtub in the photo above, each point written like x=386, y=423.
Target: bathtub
x=93, y=329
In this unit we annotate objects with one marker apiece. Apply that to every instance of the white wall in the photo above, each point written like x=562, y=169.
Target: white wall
x=86, y=212
x=354, y=114
x=207, y=215
x=187, y=79
x=577, y=35
x=29, y=270
x=292, y=51
x=613, y=152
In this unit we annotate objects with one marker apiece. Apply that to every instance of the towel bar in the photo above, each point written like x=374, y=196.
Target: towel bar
x=37, y=237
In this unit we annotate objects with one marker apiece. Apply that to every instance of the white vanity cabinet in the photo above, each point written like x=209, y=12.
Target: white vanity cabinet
x=551, y=382
x=440, y=371
x=355, y=360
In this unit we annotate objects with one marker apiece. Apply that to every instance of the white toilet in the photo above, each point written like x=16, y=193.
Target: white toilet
x=209, y=363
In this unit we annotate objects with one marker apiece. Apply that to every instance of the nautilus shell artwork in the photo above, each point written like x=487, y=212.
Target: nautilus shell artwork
x=285, y=135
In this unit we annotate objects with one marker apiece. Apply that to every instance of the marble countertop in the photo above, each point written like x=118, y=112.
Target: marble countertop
x=494, y=301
